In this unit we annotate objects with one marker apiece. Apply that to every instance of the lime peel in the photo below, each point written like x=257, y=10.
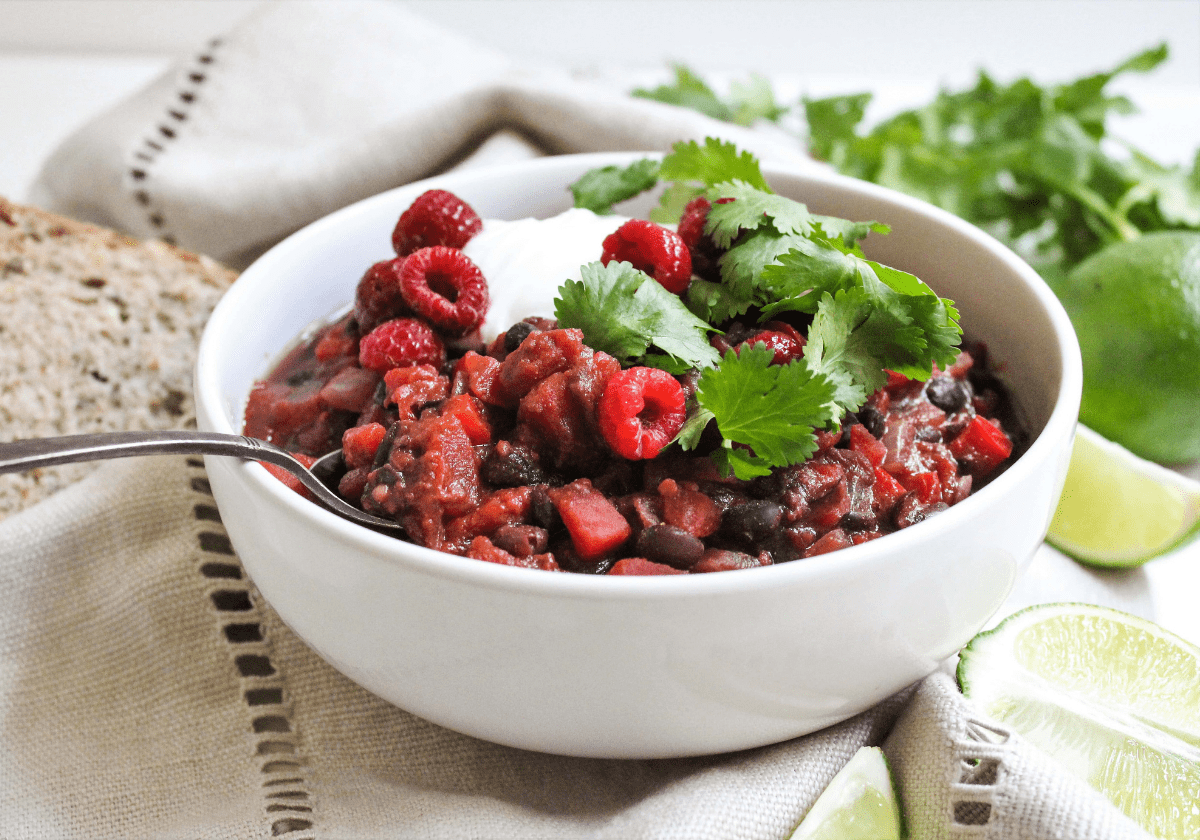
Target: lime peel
x=1120, y=510
x=860, y=803
x=1115, y=698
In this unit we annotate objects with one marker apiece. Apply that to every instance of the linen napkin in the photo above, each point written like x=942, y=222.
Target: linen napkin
x=147, y=690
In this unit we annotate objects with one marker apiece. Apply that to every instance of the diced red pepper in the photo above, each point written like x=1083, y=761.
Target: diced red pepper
x=595, y=525
x=925, y=484
x=982, y=446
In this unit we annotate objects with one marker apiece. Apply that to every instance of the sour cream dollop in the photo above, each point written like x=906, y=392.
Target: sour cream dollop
x=524, y=262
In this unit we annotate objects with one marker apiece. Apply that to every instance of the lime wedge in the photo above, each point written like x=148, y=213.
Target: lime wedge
x=1119, y=510
x=1113, y=697
x=859, y=803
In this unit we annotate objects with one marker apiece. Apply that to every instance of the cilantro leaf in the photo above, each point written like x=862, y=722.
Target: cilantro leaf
x=750, y=209
x=599, y=189
x=688, y=91
x=624, y=312
x=748, y=101
x=715, y=162
x=772, y=409
x=714, y=302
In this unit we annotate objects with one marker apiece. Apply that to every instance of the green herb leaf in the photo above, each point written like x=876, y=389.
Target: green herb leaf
x=748, y=101
x=688, y=91
x=599, y=189
x=773, y=409
x=715, y=162
x=624, y=312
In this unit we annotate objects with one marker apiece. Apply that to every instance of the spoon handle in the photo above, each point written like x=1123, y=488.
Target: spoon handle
x=24, y=455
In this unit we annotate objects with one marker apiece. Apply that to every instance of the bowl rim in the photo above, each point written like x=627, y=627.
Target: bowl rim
x=850, y=560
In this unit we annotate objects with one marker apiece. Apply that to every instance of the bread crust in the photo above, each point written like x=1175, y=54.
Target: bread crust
x=98, y=332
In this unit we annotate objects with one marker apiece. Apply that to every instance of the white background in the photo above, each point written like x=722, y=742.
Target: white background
x=63, y=61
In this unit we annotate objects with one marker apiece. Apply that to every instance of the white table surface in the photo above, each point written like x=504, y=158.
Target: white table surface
x=47, y=95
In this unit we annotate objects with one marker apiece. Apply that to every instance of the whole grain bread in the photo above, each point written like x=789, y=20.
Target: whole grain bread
x=98, y=332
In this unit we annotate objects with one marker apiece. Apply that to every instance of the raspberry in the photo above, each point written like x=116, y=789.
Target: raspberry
x=400, y=342
x=437, y=217
x=784, y=339
x=691, y=224
x=703, y=250
x=443, y=286
x=377, y=298
x=653, y=249
x=641, y=411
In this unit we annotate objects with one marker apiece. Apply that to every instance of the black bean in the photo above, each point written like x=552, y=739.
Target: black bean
x=543, y=511
x=873, y=420
x=910, y=511
x=670, y=545
x=521, y=540
x=512, y=465
x=751, y=521
x=946, y=393
x=515, y=334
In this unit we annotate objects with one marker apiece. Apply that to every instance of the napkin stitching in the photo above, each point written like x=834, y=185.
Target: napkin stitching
x=979, y=759
x=164, y=132
x=287, y=800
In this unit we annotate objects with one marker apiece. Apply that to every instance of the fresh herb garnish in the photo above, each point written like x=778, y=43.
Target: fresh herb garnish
x=625, y=313
x=748, y=101
x=772, y=409
x=599, y=189
x=1033, y=165
x=867, y=318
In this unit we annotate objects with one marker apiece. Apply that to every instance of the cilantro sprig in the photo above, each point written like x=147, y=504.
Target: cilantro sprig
x=866, y=318
x=630, y=316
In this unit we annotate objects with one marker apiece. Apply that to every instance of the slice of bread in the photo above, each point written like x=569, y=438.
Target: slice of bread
x=98, y=332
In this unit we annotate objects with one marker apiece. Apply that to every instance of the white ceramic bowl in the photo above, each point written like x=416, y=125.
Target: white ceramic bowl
x=640, y=667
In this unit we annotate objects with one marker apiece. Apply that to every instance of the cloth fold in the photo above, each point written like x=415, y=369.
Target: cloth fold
x=309, y=106
x=147, y=690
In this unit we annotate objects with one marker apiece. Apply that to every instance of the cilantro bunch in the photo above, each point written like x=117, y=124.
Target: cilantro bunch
x=1034, y=166
x=866, y=318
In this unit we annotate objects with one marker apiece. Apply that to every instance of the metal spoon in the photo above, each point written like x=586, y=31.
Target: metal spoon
x=24, y=455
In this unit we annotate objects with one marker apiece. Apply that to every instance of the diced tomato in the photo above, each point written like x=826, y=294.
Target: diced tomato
x=888, y=491
x=867, y=444
x=828, y=512
x=479, y=376
x=360, y=443
x=684, y=506
x=289, y=479
x=351, y=389
x=337, y=342
x=827, y=440
x=642, y=566
x=595, y=525
x=832, y=541
x=481, y=548
x=982, y=446
x=470, y=414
